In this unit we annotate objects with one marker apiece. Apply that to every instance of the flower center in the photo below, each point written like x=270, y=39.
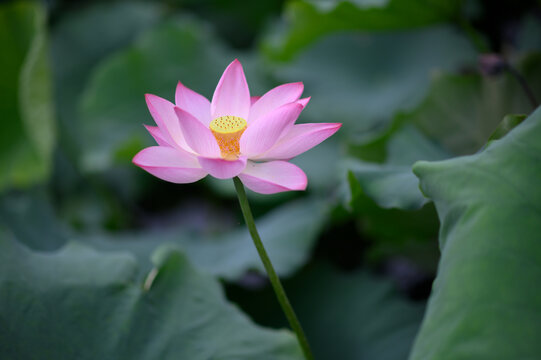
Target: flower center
x=227, y=130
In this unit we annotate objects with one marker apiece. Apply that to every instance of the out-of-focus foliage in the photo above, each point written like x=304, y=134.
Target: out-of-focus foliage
x=392, y=184
x=375, y=323
x=508, y=123
x=457, y=117
x=485, y=296
x=28, y=124
x=363, y=79
x=76, y=52
x=74, y=312
x=410, y=81
x=289, y=233
x=308, y=20
x=31, y=219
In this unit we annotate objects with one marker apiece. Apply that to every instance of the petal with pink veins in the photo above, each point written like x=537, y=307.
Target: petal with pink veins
x=232, y=96
x=157, y=135
x=300, y=138
x=197, y=135
x=275, y=98
x=221, y=168
x=273, y=177
x=194, y=103
x=262, y=134
x=164, y=115
x=170, y=164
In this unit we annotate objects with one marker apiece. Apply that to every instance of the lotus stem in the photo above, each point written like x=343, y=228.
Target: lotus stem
x=274, y=279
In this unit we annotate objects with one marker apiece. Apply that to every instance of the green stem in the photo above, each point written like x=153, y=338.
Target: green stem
x=275, y=281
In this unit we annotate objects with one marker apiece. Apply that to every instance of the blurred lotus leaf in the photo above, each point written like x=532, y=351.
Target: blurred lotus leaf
x=28, y=128
x=78, y=303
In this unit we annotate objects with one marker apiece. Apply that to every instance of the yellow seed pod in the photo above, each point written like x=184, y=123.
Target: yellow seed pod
x=227, y=130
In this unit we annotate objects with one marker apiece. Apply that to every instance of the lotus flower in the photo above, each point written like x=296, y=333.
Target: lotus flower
x=232, y=135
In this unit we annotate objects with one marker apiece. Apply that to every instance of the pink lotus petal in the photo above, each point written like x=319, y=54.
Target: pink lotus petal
x=170, y=164
x=262, y=134
x=232, y=96
x=300, y=138
x=273, y=177
x=197, y=135
x=275, y=98
x=221, y=168
x=157, y=135
x=164, y=116
x=253, y=99
x=304, y=101
x=194, y=103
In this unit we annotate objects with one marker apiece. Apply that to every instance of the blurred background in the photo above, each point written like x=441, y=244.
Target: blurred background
x=358, y=251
